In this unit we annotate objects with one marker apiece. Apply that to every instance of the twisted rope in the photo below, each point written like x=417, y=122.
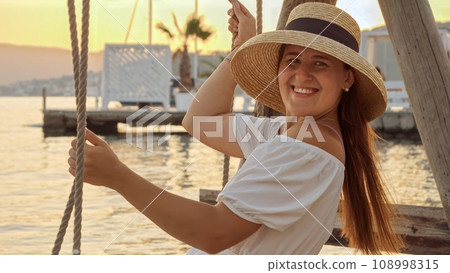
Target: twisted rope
x=80, y=65
x=226, y=158
x=234, y=33
x=226, y=169
x=259, y=16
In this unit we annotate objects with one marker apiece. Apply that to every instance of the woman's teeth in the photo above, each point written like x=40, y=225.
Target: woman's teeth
x=304, y=90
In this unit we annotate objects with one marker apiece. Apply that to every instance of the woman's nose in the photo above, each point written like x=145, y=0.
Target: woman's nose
x=303, y=71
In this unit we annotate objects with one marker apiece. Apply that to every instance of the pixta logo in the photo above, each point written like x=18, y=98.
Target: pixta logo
x=145, y=121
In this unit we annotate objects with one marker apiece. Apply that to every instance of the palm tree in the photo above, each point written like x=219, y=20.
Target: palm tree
x=194, y=27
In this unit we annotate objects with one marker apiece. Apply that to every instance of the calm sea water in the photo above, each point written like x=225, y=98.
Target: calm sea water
x=35, y=184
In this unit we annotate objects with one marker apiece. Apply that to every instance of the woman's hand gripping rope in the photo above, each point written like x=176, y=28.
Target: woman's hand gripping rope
x=102, y=167
x=241, y=24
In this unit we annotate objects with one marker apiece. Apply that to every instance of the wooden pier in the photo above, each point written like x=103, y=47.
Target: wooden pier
x=399, y=124
x=64, y=122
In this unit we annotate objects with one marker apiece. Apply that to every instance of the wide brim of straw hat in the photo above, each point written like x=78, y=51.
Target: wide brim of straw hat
x=255, y=69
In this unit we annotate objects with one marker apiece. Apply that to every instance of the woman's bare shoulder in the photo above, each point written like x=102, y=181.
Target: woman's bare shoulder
x=322, y=137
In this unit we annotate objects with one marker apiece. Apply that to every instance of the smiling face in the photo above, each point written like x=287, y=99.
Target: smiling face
x=311, y=82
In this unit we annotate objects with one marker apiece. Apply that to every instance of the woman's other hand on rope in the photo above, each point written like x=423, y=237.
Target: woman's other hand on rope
x=102, y=167
x=241, y=22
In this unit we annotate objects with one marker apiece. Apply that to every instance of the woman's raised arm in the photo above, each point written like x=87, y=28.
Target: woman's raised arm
x=215, y=96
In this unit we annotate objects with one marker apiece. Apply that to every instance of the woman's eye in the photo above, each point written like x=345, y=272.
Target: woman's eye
x=293, y=60
x=321, y=64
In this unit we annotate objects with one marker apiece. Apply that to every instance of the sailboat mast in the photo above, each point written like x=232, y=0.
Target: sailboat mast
x=195, y=47
x=150, y=21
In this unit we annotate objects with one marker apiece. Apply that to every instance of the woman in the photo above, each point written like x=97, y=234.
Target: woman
x=285, y=197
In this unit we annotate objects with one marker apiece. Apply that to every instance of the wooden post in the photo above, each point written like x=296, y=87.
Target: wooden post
x=425, y=69
x=44, y=100
x=286, y=8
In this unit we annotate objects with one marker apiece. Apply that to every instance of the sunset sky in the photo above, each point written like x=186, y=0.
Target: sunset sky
x=45, y=22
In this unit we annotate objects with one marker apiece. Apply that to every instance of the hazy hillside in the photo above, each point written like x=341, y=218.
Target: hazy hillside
x=22, y=63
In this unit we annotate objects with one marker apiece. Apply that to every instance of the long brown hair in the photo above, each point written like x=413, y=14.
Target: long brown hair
x=365, y=211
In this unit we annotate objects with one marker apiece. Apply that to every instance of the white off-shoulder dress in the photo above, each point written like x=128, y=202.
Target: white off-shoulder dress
x=289, y=187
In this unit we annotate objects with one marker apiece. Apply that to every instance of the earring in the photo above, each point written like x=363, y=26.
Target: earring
x=346, y=89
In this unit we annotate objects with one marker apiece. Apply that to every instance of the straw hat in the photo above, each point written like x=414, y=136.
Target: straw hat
x=319, y=26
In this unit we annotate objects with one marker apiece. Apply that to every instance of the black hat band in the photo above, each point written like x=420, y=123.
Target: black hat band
x=325, y=29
